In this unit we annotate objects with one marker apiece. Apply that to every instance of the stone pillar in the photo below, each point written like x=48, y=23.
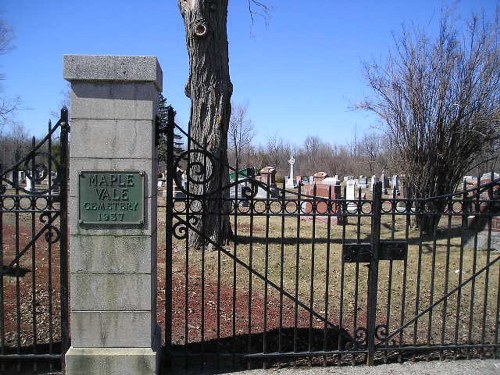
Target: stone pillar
x=112, y=214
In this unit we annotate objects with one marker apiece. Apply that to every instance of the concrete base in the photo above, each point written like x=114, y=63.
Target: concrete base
x=106, y=361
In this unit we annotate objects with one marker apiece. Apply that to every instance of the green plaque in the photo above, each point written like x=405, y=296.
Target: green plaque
x=111, y=198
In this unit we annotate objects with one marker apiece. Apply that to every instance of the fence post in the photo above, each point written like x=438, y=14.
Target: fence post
x=169, y=186
x=63, y=199
x=373, y=272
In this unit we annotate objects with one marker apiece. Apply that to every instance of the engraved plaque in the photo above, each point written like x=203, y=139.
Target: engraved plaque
x=111, y=198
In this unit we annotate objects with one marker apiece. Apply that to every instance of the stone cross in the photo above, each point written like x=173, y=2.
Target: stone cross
x=290, y=182
x=291, y=162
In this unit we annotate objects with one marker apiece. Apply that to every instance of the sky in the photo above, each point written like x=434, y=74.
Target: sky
x=299, y=73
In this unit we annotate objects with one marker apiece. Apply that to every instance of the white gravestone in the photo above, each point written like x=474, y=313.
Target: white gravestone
x=290, y=183
x=350, y=196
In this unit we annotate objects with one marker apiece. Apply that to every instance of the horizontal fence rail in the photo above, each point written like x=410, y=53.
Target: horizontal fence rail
x=308, y=276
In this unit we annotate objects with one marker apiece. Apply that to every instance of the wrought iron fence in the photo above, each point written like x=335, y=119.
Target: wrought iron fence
x=33, y=252
x=308, y=276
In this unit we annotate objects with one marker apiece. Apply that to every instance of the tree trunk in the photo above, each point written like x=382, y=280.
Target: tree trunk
x=209, y=87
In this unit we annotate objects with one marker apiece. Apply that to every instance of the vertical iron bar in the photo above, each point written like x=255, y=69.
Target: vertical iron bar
x=17, y=208
x=250, y=276
x=496, y=353
x=203, y=252
x=266, y=273
x=405, y=278
x=169, y=207
x=311, y=289
x=50, y=206
x=219, y=253
x=446, y=273
x=235, y=204
x=433, y=278
x=330, y=212
x=297, y=274
x=420, y=211
x=373, y=272
x=203, y=297
x=489, y=219
x=474, y=268
x=357, y=269
x=32, y=197
x=342, y=274
x=63, y=242
x=465, y=204
x=2, y=301
x=282, y=267
x=186, y=240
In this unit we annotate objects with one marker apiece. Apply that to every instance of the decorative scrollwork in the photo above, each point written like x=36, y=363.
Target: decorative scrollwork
x=46, y=218
x=179, y=230
x=36, y=168
x=381, y=332
x=200, y=171
x=40, y=171
x=360, y=339
x=196, y=206
x=52, y=234
x=250, y=190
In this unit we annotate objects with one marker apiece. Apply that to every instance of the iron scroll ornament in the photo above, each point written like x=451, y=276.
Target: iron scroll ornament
x=200, y=171
x=36, y=172
x=361, y=337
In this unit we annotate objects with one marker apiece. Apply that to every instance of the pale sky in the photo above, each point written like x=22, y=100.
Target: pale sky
x=299, y=74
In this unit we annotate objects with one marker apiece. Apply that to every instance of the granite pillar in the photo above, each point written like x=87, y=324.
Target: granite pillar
x=112, y=214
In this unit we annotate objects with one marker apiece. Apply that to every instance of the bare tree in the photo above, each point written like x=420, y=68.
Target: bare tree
x=316, y=155
x=438, y=99
x=278, y=152
x=7, y=106
x=14, y=143
x=241, y=133
x=372, y=153
x=209, y=87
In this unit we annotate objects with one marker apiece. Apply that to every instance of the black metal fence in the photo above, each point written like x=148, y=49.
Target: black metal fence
x=33, y=253
x=311, y=277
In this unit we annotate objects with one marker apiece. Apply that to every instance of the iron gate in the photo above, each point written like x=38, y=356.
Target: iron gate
x=311, y=277
x=33, y=252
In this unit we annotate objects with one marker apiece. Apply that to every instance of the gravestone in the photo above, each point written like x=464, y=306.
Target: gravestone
x=324, y=210
x=363, y=182
x=373, y=181
x=268, y=176
x=331, y=181
x=385, y=183
x=21, y=176
x=112, y=214
x=290, y=183
x=30, y=183
x=350, y=196
x=395, y=183
x=319, y=177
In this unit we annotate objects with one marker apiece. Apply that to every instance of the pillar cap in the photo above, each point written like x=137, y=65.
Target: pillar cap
x=113, y=68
